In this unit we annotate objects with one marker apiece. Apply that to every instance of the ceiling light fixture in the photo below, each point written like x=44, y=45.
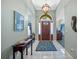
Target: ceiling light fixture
x=45, y=8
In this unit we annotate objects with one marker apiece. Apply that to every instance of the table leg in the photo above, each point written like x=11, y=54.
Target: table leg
x=31, y=47
x=22, y=55
x=13, y=54
x=26, y=50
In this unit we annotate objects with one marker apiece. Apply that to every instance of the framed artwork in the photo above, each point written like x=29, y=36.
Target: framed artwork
x=18, y=22
x=74, y=23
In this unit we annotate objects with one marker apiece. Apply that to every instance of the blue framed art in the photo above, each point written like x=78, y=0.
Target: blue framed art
x=18, y=22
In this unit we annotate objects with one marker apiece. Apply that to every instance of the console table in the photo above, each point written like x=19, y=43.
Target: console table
x=21, y=46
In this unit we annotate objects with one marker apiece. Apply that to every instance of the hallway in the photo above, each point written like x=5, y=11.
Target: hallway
x=25, y=20
x=59, y=54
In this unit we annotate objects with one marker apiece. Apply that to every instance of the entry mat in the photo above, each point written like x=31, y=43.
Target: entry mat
x=46, y=46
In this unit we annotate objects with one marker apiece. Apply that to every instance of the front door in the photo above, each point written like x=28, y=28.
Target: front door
x=45, y=30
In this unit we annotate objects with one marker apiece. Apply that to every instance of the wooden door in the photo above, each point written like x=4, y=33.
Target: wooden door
x=45, y=30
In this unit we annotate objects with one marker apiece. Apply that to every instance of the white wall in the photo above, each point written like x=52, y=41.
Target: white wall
x=70, y=35
x=31, y=13
x=60, y=17
x=70, y=9
x=8, y=36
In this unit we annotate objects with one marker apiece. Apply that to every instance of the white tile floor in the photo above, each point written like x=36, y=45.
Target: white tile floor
x=59, y=54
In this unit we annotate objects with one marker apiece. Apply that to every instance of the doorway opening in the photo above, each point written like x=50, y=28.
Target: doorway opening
x=45, y=30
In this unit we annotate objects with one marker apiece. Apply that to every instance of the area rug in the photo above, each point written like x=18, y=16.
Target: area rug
x=45, y=46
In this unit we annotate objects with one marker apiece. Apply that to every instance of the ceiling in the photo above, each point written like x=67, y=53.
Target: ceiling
x=39, y=3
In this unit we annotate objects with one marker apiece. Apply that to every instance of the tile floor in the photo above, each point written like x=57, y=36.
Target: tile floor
x=59, y=54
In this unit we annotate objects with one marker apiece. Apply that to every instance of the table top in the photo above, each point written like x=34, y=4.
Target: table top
x=22, y=43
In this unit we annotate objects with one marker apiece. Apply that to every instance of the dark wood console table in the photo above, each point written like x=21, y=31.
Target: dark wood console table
x=21, y=46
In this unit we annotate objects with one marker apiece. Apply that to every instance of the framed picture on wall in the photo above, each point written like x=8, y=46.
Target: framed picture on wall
x=18, y=22
x=74, y=23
